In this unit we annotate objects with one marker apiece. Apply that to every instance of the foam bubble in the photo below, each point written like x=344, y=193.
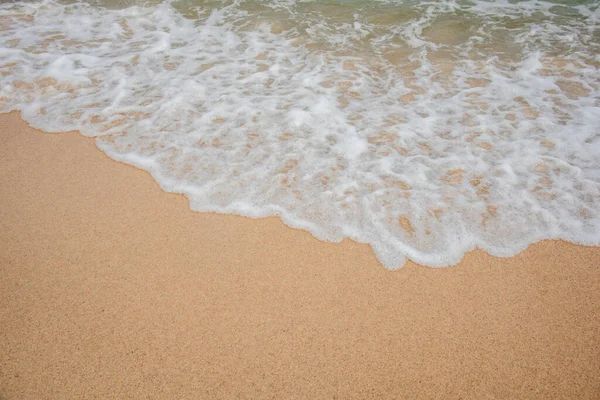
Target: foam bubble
x=425, y=129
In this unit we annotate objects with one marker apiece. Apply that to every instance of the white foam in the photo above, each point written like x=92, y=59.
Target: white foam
x=451, y=128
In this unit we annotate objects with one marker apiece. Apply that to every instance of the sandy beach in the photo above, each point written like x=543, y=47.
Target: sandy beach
x=112, y=288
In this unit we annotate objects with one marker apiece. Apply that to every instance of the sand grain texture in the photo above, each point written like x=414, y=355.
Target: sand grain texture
x=112, y=288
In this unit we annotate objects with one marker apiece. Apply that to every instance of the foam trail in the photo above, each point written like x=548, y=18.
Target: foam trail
x=424, y=129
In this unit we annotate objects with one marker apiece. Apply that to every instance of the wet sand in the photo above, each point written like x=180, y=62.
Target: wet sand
x=112, y=288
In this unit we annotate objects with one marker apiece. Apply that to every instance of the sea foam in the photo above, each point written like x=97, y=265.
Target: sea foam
x=424, y=129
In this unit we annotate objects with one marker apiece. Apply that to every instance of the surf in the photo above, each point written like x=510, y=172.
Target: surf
x=425, y=129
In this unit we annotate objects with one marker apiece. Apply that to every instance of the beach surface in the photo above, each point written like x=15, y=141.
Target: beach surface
x=112, y=288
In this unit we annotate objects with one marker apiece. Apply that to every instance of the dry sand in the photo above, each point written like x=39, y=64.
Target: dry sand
x=112, y=288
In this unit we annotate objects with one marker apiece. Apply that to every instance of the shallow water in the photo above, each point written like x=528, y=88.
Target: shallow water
x=422, y=128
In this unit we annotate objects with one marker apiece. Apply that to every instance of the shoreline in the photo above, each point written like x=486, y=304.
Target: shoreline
x=114, y=288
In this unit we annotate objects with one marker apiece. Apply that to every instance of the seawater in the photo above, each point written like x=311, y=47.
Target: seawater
x=423, y=128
